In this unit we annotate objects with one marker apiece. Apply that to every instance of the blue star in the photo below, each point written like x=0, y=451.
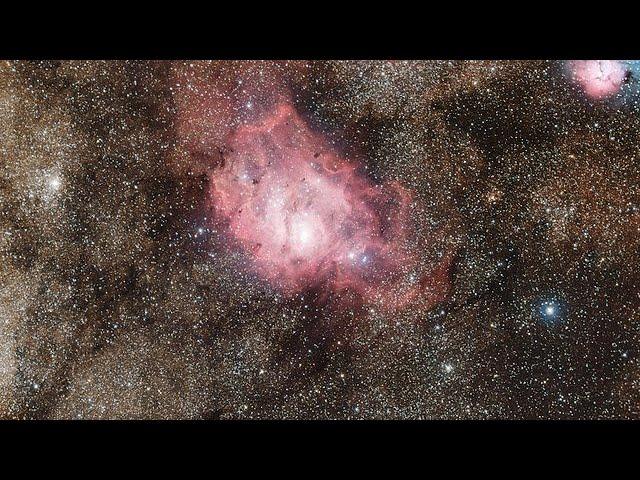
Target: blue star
x=551, y=310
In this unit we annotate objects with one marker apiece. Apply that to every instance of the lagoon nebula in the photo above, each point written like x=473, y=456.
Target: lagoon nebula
x=319, y=239
x=308, y=218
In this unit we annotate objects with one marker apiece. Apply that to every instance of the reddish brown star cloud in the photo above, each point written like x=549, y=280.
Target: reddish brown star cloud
x=308, y=218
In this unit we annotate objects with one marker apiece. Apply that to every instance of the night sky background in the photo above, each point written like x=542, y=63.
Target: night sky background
x=319, y=239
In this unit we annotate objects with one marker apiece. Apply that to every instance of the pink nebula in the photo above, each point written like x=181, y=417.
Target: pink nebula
x=598, y=78
x=308, y=219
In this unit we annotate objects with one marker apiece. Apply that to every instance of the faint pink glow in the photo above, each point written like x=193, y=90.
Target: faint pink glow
x=598, y=78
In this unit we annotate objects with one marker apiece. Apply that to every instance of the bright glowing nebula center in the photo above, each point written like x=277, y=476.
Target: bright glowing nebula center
x=307, y=217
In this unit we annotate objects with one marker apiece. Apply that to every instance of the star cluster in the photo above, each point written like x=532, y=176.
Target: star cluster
x=321, y=239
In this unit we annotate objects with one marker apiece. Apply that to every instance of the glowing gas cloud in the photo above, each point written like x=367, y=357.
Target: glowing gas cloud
x=309, y=219
x=598, y=78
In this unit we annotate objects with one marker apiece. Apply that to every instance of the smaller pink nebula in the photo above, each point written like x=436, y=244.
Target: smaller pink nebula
x=598, y=78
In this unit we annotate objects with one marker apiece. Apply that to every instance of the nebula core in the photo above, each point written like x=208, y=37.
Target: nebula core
x=309, y=219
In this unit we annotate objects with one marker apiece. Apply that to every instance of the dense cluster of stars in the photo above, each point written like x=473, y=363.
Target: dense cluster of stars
x=319, y=239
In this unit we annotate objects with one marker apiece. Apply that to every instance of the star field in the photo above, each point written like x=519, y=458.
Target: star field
x=319, y=239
